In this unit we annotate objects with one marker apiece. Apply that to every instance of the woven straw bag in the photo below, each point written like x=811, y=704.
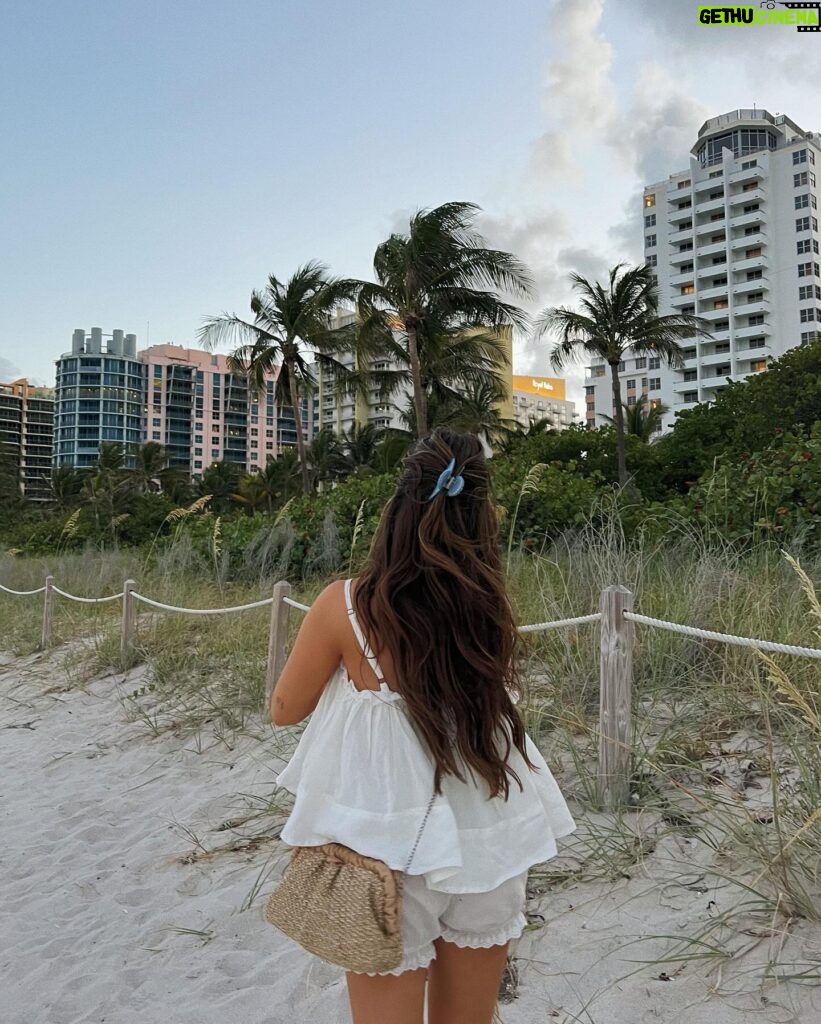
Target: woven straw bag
x=343, y=907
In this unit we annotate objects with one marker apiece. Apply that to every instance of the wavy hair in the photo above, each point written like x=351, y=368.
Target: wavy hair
x=433, y=595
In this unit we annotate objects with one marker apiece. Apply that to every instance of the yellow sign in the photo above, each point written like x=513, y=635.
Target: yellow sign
x=546, y=387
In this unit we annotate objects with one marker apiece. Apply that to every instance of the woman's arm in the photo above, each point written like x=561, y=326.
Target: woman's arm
x=315, y=657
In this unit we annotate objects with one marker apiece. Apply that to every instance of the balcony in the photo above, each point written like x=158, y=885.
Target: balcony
x=749, y=241
x=755, y=195
x=756, y=285
x=758, y=216
x=715, y=373
x=685, y=277
x=715, y=314
x=752, y=331
x=711, y=227
x=752, y=308
x=683, y=300
x=710, y=205
x=751, y=263
x=717, y=292
x=682, y=257
x=749, y=174
x=710, y=360
x=677, y=216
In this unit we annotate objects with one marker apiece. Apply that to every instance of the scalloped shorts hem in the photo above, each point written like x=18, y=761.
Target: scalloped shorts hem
x=472, y=921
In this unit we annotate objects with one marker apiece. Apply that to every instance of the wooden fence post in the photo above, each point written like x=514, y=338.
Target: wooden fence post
x=128, y=621
x=615, y=710
x=48, y=612
x=277, y=641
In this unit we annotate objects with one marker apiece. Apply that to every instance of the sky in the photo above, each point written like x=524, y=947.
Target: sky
x=161, y=159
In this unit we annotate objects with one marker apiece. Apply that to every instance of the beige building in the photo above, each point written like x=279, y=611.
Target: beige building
x=541, y=398
x=27, y=434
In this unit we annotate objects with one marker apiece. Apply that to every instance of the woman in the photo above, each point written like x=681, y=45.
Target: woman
x=410, y=673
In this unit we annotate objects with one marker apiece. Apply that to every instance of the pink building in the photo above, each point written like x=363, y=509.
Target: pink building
x=202, y=413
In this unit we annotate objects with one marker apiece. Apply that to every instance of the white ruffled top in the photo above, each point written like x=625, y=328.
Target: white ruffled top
x=362, y=777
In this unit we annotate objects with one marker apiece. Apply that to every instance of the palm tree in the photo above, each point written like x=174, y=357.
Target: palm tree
x=325, y=457
x=614, y=320
x=360, y=447
x=66, y=484
x=476, y=410
x=150, y=466
x=641, y=420
x=290, y=329
x=438, y=288
x=221, y=481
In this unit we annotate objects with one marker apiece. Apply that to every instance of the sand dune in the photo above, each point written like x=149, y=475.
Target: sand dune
x=111, y=914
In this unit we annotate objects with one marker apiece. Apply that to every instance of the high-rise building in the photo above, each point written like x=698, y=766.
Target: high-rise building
x=541, y=398
x=201, y=412
x=734, y=239
x=100, y=396
x=27, y=434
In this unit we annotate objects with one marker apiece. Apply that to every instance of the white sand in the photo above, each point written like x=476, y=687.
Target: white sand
x=94, y=884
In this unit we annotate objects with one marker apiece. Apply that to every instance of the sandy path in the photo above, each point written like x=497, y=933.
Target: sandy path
x=93, y=884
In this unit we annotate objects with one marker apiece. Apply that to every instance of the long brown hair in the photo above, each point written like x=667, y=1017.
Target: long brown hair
x=433, y=595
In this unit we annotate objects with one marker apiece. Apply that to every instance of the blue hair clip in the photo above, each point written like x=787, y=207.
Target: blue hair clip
x=450, y=482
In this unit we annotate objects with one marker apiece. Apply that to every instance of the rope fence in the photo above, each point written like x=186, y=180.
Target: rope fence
x=616, y=620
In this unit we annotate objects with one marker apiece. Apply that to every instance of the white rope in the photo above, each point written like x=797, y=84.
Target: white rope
x=22, y=593
x=296, y=604
x=579, y=620
x=200, y=611
x=86, y=600
x=738, y=641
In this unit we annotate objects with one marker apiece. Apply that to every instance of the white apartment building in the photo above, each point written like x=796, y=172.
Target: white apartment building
x=734, y=239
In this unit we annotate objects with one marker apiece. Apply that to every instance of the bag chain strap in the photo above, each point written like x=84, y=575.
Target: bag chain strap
x=421, y=830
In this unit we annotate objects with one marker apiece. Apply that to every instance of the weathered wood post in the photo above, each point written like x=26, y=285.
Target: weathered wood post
x=615, y=709
x=277, y=641
x=48, y=613
x=129, y=621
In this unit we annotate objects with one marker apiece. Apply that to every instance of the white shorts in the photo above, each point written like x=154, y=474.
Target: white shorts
x=474, y=919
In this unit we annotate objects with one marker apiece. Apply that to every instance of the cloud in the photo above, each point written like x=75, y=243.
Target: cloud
x=8, y=371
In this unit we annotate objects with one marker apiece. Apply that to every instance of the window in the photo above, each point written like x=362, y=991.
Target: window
x=752, y=207
x=799, y=156
x=643, y=382
x=718, y=260
x=631, y=400
x=652, y=260
x=655, y=383
x=631, y=384
x=684, y=183
x=802, y=201
x=753, y=229
x=752, y=253
x=687, y=289
x=156, y=422
x=650, y=200
x=809, y=291
x=717, y=216
x=755, y=275
x=806, y=315
x=758, y=365
x=686, y=247
x=158, y=371
x=686, y=225
x=690, y=396
x=155, y=435
x=622, y=366
x=590, y=389
x=650, y=221
x=655, y=362
x=720, y=304
x=718, y=238
x=755, y=321
x=215, y=440
x=751, y=186
x=649, y=241
x=641, y=364
x=719, y=194
x=748, y=164
x=759, y=342
x=803, y=246
x=198, y=451
x=755, y=297
x=717, y=282
x=807, y=269
x=215, y=454
x=688, y=309
x=690, y=375
x=801, y=179
x=808, y=337
x=716, y=174
x=686, y=204
x=686, y=268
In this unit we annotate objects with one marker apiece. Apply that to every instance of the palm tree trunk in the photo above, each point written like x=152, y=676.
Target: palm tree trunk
x=419, y=404
x=619, y=417
x=300, y=438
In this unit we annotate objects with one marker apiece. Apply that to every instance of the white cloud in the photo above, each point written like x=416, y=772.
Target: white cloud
x=8, y=371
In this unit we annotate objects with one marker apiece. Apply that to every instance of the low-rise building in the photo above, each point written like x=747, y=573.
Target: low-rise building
x=541, y=398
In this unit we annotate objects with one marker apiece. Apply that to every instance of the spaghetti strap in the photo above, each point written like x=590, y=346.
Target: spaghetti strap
x=365, y=647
